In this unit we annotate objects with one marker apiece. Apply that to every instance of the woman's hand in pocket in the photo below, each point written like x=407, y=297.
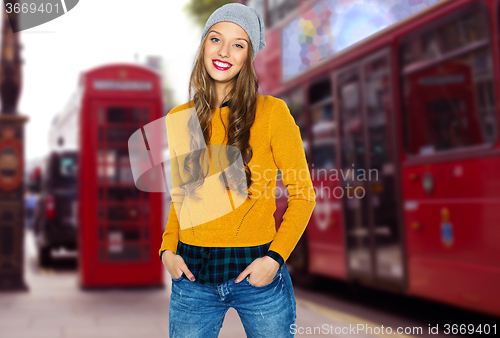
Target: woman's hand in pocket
x=176, y=265
x=262, y=270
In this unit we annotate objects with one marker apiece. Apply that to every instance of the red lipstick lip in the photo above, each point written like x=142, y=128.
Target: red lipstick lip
x=221, y=68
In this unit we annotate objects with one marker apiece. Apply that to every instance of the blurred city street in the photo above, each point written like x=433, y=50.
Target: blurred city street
x=396, y=104
x=55, y=307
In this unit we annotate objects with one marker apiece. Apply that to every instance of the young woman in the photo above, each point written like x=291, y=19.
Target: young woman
x=223, y=250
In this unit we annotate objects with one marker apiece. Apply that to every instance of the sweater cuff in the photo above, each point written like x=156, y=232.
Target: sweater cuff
x=161, y=253
x=276, y=256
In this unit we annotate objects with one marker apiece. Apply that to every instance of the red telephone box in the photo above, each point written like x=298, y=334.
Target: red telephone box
x=119, y=225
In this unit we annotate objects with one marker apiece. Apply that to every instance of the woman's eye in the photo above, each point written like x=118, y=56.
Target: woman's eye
x=213, y=39
x=240, y=45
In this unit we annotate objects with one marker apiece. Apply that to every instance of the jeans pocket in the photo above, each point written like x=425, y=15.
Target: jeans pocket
x=288, y=281
x=177, y=279
x=276, y=276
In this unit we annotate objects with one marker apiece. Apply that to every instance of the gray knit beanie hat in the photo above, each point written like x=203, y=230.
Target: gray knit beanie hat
x=246, y=17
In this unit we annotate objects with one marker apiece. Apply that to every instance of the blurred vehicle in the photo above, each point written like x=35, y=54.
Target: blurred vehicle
x=55, y=218
x=400, y=127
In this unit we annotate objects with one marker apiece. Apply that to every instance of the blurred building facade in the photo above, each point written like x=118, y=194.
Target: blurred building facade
x=11, y=159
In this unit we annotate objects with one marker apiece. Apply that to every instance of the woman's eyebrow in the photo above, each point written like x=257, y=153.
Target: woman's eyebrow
x=214, y=31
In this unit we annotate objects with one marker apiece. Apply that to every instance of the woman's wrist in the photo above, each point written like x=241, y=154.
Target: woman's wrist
x=272, y=262
x=276, y=256
x=166, y=254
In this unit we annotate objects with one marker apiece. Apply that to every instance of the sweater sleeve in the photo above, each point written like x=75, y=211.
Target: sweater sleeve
x=170, y=236
x=289, y=156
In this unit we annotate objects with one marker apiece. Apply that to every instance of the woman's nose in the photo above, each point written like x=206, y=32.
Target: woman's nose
x=224, y=51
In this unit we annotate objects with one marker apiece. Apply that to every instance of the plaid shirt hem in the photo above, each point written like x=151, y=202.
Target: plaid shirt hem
x=215, y=265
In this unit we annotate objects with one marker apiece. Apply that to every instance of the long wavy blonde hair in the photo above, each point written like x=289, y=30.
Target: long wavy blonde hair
x=242, y=105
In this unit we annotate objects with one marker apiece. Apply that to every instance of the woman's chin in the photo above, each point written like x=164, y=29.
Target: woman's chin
x=221, y=79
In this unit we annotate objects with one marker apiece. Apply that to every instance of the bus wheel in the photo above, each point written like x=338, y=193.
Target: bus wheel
x=44, y=256
x=298, y=265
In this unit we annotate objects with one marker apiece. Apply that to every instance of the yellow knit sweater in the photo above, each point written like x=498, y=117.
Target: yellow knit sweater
x=224, y=218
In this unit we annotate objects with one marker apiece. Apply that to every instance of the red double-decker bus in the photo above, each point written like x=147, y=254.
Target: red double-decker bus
x=400, y=131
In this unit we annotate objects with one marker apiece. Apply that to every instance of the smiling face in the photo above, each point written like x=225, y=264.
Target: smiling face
x=225, y=52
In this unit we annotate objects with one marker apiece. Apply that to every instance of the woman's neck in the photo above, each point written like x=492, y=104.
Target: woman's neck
x=222, y=95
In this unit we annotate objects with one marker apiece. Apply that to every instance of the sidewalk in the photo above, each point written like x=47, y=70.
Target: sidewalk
x=55, y=307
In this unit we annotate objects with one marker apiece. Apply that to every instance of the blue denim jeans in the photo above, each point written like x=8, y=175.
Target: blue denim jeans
x=198, y=310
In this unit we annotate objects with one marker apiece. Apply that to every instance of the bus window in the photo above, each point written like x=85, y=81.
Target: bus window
x=378, y=103
x=68, y=170
x=324, y=154
x=320, y=92
x=295, y=102
x=448, y=103
x=61, y=170
x=323, y=124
